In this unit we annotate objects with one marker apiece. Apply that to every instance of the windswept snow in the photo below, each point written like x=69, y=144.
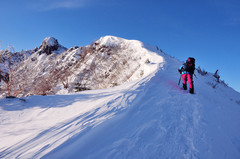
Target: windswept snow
x=148, y=117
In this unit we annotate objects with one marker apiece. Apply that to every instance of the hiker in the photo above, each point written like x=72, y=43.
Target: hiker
x=187, y=71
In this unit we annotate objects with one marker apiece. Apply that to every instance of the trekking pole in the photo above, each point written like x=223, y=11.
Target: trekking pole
x=195, y=76
x=179, y=80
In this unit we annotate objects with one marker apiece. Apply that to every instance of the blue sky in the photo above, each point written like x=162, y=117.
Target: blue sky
x=208, y=30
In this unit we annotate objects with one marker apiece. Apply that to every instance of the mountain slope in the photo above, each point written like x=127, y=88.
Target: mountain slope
x=166, y=122
x=107, y=62
x=149, y=117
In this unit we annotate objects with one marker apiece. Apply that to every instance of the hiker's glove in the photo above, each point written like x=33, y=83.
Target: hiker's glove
x=180, y=71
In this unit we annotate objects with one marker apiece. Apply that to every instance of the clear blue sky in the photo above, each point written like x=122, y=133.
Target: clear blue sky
x=208, y=30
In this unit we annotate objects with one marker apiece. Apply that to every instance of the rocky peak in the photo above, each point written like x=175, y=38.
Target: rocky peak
x=49, y=45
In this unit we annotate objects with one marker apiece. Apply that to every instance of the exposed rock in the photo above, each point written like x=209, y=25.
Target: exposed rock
x=49, y=45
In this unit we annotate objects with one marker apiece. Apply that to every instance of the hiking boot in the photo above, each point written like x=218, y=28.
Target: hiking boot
x=191, y=91
x=185, y=86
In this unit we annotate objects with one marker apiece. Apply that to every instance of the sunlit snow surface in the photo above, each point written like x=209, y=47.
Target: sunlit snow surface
x=150, y=117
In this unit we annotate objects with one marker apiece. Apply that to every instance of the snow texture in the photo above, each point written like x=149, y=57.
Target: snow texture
x=147, y=117
x=50, y=41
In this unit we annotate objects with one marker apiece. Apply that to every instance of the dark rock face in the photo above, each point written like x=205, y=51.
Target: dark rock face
x=48, y=45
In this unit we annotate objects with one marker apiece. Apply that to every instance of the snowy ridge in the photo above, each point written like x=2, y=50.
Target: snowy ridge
x=108, y=62
x=149, y=117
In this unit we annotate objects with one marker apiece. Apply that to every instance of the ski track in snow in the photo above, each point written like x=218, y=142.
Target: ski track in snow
x=149, y=118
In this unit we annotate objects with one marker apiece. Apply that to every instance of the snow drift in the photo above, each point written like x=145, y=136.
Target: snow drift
x=148, y=116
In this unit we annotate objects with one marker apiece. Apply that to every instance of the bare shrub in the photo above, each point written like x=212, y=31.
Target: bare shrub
x=80, y=87
x=43, y=86
x=216, y=75
x=201, y=71
x=10, y=85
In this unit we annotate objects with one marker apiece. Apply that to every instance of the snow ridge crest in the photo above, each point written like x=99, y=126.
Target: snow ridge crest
x=108, y=62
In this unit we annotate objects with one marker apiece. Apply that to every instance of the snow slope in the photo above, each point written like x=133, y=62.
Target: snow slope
x=149, y=117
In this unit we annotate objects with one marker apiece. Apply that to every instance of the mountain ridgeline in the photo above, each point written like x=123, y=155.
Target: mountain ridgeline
x=54, y=69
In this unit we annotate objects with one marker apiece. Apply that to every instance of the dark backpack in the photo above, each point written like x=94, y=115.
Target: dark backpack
x=191, y=60
x=189, y=66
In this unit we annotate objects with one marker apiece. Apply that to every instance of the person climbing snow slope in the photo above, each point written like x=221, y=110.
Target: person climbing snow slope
x=187, y=71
